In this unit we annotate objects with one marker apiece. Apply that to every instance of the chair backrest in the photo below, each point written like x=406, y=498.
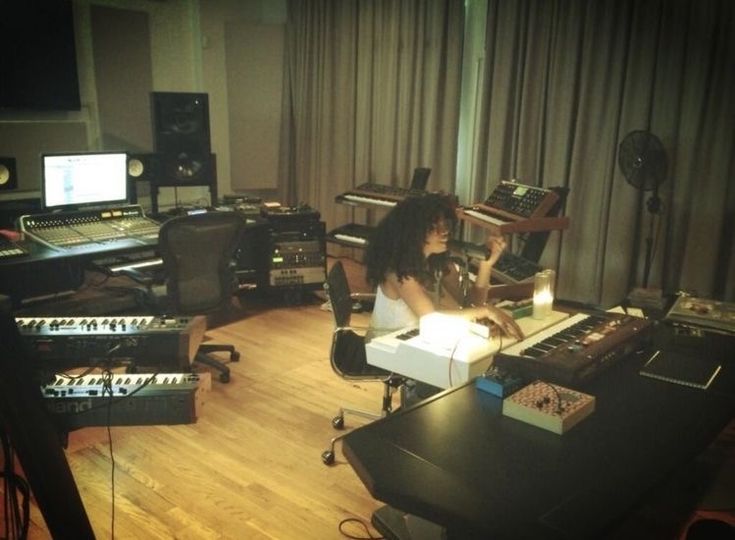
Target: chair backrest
x=348, y=357
x=338, y=290
x=197, y=253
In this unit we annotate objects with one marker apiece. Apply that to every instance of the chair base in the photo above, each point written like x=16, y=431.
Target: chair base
x=338, y=422
x=224, y=371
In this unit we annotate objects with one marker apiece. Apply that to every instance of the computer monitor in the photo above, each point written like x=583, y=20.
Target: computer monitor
x=73, y=181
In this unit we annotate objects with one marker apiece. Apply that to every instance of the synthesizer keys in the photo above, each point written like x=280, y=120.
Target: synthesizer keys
x=126, y=399
x=167, y=344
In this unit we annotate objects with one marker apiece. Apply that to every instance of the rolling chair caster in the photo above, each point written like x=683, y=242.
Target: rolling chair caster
x=328, y=457
x=224, y=377
x=235, y=356
x=338, y=422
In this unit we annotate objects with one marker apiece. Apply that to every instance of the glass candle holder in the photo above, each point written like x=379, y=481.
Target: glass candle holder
x=543, y=293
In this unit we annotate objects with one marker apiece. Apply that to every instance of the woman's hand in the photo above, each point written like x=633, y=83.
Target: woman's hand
x=505, y=322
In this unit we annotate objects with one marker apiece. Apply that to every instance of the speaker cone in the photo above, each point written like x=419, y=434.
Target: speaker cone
x=185, y=167
x=135, y=167
x=8, y=175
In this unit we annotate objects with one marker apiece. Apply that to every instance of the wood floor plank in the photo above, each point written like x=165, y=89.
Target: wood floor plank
x=250, y=467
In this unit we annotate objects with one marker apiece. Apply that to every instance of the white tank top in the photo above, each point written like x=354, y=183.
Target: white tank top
x=389, y=314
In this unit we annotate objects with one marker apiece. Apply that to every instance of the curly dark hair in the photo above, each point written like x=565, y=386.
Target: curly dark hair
x=397, y=242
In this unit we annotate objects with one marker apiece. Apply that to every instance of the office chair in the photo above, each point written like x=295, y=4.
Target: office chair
x=347, y=355
x=197, y=253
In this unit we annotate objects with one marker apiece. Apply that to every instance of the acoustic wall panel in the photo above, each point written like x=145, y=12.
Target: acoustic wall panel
x=254, y=65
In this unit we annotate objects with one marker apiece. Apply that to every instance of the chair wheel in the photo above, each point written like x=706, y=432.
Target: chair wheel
x=224, y=377
x=328, y=457
x=235, y=356
x=338, y=422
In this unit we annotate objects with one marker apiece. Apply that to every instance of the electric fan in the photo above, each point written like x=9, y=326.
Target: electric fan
x=642, y=160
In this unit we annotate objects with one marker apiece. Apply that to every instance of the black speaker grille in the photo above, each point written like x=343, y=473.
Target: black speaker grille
x=181, y=123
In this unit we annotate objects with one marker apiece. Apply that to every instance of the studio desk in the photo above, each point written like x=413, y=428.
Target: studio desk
x=453, y=466
x=56, y=266
x=33, y=270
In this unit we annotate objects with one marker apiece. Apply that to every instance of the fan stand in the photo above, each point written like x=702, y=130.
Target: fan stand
x=643, y=297
x=641, y=157
x=653, y=205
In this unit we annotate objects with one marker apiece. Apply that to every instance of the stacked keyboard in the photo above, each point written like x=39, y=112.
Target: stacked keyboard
x=352, y=234
x=512, y=268
x=377, y=194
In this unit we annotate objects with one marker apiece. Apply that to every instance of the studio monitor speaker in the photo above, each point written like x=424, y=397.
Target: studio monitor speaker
x=8, y=175
x=143, y=167
x=181, y=123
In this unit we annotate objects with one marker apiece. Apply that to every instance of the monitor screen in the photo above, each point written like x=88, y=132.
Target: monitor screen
x=71, y=181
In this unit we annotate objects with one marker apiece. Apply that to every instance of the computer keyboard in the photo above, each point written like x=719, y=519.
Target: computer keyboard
x=137, y=259
x=8, y=248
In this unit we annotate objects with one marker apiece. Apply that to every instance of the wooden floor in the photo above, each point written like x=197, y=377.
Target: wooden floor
x=251, y=466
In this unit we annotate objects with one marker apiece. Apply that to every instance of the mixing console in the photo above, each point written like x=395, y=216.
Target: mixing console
x=92, y=230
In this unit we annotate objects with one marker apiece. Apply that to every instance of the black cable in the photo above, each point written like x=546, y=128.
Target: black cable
x=559, y=407
x=17, y=518
x=95, y=285
x=107, y=388
x=115, y=401
x=451, y=361
x=362, y=524
x=92, y=367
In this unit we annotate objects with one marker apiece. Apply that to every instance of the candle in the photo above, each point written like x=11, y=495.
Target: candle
x=543, y=294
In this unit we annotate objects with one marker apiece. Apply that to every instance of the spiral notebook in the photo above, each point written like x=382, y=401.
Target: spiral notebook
x=680, y=368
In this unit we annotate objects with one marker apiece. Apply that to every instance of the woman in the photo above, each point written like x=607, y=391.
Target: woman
x=407, y=261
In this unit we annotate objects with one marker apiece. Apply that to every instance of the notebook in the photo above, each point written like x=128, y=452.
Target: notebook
x=681, y=368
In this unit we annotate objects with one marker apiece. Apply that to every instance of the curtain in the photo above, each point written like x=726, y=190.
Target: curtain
x=372, y=92
x=564, y=81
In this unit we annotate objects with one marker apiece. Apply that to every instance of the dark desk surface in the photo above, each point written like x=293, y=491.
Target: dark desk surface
x=456, y=461
x=46, y=271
